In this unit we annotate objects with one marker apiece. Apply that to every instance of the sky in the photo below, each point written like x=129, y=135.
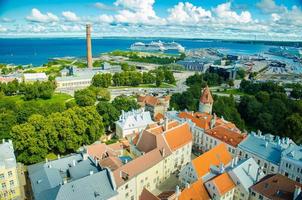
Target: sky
x=207, y=19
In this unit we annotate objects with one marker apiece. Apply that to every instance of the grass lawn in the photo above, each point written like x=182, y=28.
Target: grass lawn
x=231, y=91
x=56, y=98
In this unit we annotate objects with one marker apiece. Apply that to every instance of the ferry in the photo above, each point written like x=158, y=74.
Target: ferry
x=157, y=46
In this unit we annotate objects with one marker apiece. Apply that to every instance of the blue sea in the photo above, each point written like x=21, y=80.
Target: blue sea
x=37, y=51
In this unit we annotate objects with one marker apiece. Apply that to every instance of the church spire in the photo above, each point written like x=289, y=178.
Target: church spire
x=206, y=101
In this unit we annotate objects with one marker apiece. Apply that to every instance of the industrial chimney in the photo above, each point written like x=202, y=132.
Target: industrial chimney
x=88, y=41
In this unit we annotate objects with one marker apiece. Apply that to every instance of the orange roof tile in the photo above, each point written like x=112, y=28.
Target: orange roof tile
x=159, y=117
x=146, y=195
x=178, y=136
x=135, y=167
x=224, y=134
x=196, y=191
x=215, y=156
x=224, y=183
x=201, y=120
x=99, y=150
x=206, y=96
x=111, y=162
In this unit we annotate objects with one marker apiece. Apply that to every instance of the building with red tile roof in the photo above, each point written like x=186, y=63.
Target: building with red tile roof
x=221, y=187
x=195, y=191
x=210, y=130
x=277, y=187
x=154, y=104
x=201, y=167
x=161, y=150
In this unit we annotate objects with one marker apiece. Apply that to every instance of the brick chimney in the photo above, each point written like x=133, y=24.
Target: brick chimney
x=88, y=43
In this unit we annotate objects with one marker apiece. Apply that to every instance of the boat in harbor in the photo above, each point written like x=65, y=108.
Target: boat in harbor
x=157, y=46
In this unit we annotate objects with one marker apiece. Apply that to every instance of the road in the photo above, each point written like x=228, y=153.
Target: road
x=180, y=87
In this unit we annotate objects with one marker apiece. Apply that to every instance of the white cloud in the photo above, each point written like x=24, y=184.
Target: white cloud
x=187, y=13
x=269, y=6
x=73, y=28
x=70, y=16
x=2, y=29
x=105, y=18
x=37, y=16
x=226, y=14
x=289, y=17
x=137, y=12
x=6, y=20
x=103, y=6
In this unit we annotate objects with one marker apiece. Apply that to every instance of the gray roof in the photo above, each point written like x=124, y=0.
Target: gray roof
x=246, y=172
x=7, y=156
x=72, y=177
x=266, y=147
x=293, y=153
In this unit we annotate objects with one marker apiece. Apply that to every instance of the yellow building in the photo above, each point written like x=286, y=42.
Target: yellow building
x=161, y=151
x=9, y=183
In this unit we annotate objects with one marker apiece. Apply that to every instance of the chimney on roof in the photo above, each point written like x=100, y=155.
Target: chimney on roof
x=233, y=163
x=258, y=174
x=177, y=191
x=163, y=152
x=166, y=124
x=297, y=192
x=96, y=162
x=124, y=175
x=221, y=168
x=249, y=168
x=235, y=160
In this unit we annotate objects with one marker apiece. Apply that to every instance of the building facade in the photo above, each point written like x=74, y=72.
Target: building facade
x=9, y=182
x=291, y=163
x=161, y=150
x=265, y=149
x=132, y=122
x=155, y=105
x=206, y=101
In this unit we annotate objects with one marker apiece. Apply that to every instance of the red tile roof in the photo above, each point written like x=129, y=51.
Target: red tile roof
x=223, y=183
x=158, y=117
x=146, y=195
x=196, y=191
x=215, y=156
x=224, y=134
x=276, y=186
x=178, y=136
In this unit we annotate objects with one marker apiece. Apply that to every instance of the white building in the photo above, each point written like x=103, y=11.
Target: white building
x=245, y=175
x=32, y=77
x=291, y=163
x=265, y=149
x=132, y=122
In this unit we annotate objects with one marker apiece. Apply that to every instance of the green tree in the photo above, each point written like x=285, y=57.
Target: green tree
x=159, y=77
x=108, y=112
x=102, y=80
x=169, y=77
x=124, y=103
x=85, y=97
x=293, y=127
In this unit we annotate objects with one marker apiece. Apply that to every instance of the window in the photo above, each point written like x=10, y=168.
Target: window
x=253, y=194
x=126, y=186
x=10, y=173
x=11, y=182
x=258, y=162
x=298, y=179
x=246, y=155
x=13, y=191
x=272, y=168
x=260, y=197
x=265, y=165
x=127, y=194
x=1, y=176
x=3, y=185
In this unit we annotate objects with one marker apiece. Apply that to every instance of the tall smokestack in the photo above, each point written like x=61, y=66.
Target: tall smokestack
x=88, y=41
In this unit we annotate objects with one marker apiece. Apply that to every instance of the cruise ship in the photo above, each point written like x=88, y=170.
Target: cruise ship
x=157, y=46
